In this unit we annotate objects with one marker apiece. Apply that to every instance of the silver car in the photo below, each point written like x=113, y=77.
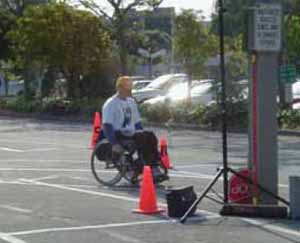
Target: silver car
x=158, y=86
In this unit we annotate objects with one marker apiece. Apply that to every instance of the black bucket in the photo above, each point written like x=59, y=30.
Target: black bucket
x=179, y=200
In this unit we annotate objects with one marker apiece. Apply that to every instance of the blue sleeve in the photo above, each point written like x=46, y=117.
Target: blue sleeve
x=138, y=126
x=109, y=133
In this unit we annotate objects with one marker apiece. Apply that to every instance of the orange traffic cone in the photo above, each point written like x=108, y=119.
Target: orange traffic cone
x=96, y=130
x=148, y=203
x=164, y=153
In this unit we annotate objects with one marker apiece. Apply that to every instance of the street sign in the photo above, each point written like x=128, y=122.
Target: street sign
x=267, y=27
x=288, y=73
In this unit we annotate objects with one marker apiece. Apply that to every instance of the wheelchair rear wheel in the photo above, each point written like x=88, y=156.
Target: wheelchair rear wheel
x=104, y=169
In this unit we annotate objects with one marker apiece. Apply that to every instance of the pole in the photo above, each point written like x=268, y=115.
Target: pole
x=223, y=102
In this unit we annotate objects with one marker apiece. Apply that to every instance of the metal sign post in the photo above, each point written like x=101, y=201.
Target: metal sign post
x=265, y=46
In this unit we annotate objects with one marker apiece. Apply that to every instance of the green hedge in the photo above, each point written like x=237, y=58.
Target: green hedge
x=52, y=105
x=207, y=117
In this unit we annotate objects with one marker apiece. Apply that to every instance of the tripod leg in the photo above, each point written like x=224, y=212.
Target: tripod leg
x=205, y=191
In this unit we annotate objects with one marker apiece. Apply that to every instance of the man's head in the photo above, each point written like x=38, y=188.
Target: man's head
x=124, y=85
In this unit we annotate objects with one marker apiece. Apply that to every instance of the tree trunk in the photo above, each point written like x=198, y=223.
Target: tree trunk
x=124, y=61
x=73, y=90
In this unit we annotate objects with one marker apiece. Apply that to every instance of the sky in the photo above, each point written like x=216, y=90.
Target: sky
x=207, y=6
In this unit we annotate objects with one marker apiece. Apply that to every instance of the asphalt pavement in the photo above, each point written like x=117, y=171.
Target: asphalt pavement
x=48, y=193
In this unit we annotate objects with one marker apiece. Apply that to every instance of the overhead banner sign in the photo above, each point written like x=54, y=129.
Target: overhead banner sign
x=267, y=27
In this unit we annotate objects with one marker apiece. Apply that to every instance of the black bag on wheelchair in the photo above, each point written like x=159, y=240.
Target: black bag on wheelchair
x=180, y=200
x=104, y=151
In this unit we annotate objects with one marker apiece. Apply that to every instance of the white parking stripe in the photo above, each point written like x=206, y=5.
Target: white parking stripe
x=44, y=169
x=11, y=150
x=272, y=227
x=40, y=150
x=10, y=238
x=182, y=174
x=88, y=227
x=107, y=226
x=45, y=178
x=253, y=222
x=16, y=209
x=45, y=160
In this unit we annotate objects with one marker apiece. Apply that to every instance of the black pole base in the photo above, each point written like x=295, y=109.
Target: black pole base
x=260, y=211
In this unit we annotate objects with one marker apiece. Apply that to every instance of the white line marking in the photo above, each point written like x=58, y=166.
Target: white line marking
x=107, y=226
x=271, y=227
x=182, y=174
x=10, y=238
x=77, y=178
x=45, y=160
x=45, y=178
x=196, y=165
x=41, y=150
x=11, y=150
x=109, y=195
x=16, y=209
x=44, y=169
x=253, y=222
x=13, y=182
x=88, y=227
x=200, y=175
x=129, y=199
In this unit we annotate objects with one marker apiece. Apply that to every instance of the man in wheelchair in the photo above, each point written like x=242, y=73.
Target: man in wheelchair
x=122, y=123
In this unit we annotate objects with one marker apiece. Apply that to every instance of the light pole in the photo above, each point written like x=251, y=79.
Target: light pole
x=223, y=100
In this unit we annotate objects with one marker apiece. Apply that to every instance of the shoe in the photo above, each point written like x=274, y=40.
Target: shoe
x=158, y=176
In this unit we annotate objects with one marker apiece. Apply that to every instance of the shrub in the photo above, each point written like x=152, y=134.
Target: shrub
x=155, y=113
x=288, y=119
x=19, y=104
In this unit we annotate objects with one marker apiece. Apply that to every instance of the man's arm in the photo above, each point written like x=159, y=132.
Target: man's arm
x=109, y=133
x=138, y=126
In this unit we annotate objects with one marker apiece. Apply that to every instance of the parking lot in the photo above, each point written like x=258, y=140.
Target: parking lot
x=48, y=193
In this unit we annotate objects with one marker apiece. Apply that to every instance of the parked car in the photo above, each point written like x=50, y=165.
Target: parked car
x=201, y=93
x=158, y=86
x=140, y=84
x=14, y=87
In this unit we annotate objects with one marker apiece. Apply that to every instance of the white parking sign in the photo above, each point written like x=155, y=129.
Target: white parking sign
x=267, y=27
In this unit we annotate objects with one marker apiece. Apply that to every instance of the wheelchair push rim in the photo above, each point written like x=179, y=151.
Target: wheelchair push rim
x=104, y=171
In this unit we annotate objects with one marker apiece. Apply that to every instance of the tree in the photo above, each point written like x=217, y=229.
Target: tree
x=62, y=37
x=17, y=7
x=6, y=22
x=235, y=17
x=193, y=44
x=118, y=22
x=293, y=37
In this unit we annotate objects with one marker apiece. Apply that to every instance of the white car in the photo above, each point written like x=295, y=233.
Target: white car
x=158, y=86
x=140, y=84
x=201, y=93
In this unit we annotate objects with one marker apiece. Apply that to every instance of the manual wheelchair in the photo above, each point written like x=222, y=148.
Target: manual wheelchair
x=108, y=169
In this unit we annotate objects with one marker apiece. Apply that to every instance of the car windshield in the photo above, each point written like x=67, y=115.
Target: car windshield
x=164, y=81
x=160, y=81
x=201, y=89
x=178, y=90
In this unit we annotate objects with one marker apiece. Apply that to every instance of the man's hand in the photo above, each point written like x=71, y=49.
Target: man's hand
x=117, y=149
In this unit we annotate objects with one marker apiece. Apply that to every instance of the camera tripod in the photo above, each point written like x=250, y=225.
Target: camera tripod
x=227, y=208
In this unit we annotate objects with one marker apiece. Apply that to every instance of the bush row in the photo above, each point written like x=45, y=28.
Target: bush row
x=205, y=117
x=52, y=106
